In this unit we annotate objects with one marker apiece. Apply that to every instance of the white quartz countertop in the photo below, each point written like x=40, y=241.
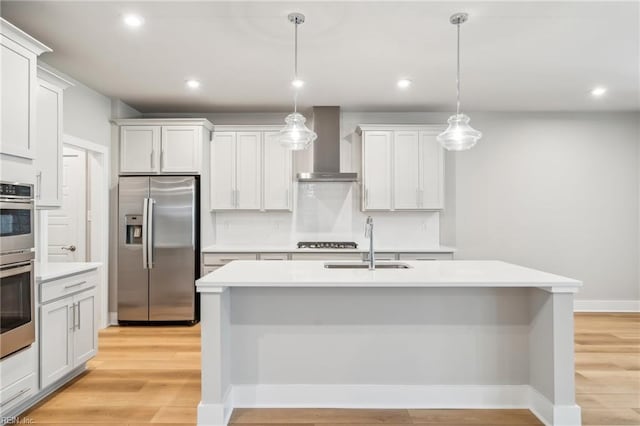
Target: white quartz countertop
x=51, y=271
x=225, y=248
x=450, y=273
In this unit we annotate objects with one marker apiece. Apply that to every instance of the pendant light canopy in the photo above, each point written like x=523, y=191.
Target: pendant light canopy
x=459, y=136
x=296, y=135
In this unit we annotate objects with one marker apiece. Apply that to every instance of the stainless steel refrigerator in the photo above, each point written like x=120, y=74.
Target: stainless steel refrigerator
x=158, y=248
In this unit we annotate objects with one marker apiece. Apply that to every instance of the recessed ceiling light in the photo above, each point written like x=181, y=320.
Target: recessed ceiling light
x=133, y=21
x=598, y=91
x=404, y=83
x=297, y=83
x=192, y=84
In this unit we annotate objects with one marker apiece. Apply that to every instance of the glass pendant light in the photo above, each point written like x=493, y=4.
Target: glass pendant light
x=296, y=135
x=459, y=136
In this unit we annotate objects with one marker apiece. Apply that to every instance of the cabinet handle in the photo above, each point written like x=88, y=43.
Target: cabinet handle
x=73, y=316
x=14, y=397
x=237, y=198
x=162, y=158
x=152, y=162
x=66, y=287
x=39, y=184
x=78, y=308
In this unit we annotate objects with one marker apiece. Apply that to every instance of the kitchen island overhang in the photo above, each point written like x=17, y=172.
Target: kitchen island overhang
x=448, y=334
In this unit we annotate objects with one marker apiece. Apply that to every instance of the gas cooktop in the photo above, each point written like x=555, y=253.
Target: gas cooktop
x=327, y=245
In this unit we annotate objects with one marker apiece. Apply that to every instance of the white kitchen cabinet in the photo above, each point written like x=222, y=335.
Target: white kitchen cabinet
x=18, y=379
x=278, y=176
x=431, y=171
x=139, y=149
x=68, y=328
x=249, y=170
x=181, y=149
x=403, y=167
x=406, y=170
x=48, y=159
x=376, y=170
x=162, y=146
x=223, y=171
x=18, y=64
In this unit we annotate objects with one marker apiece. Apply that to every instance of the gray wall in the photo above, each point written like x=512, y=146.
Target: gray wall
x=554, y=191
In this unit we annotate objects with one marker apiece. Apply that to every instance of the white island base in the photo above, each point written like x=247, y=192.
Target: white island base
x=450, y=334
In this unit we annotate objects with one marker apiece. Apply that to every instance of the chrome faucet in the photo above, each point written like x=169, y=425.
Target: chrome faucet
x=368, y=233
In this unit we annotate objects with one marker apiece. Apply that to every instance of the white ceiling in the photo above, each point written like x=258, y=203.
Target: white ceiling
x=516, y=55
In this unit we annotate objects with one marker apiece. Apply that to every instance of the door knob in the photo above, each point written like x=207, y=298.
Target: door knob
x=70, y=248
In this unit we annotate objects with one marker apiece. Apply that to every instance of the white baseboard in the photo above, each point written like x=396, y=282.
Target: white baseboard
x=550, y=414
x=606, y=305
x=113, y=318
x=386, y=397
x=380, y=396
x=216, y=414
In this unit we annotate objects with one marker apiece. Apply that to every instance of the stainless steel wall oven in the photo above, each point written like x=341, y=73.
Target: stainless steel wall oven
x=17, y=321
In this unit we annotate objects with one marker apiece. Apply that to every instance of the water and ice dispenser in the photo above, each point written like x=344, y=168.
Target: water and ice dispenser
x=133, y=225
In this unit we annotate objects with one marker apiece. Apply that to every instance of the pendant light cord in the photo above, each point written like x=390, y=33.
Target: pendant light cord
x=458, y=74
x=295, y=65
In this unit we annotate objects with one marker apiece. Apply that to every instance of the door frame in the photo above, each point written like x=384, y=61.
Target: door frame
x=98, y=185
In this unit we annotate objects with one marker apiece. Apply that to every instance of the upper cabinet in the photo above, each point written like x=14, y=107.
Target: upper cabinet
x=402, y=168
x=249, y=170
x=18, y=64
x=153, y=146
x=48, y=160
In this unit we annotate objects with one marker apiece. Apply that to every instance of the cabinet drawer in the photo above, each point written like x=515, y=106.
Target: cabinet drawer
x=17, y=366
x=426, y=256
x=12, y=395
x=208, y=269
x=274, y=256
x=224, y=258
x=326, y=256
x=55, y=289
x=381, y=256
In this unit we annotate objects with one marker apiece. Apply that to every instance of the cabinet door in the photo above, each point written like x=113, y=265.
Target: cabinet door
x=17, y=103
x=376, y=165
x=406, y=166
x=85, y=337
x=181, y=149
x=277, y=174
x=223, y=171
x=139, y=149
x=56, y=340
x=48, y=162
x=431, y=172
x=248, y=170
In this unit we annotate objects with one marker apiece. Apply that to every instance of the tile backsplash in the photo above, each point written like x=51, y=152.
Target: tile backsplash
x=327, y=211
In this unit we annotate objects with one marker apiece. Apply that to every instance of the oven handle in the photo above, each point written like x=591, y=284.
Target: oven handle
x=16, y=205
x=15, y=269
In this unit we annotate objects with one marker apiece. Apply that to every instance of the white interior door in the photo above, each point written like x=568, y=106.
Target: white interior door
x=67, y=225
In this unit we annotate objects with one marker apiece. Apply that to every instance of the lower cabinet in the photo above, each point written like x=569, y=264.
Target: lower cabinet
x=68, y=334
x=18, y=379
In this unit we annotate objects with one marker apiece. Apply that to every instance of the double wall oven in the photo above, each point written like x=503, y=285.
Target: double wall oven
x=17, y=321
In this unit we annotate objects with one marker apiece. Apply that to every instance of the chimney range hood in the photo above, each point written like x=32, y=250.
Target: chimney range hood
x=326, y=149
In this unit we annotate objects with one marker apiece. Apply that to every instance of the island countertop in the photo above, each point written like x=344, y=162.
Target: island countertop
x=450, y=273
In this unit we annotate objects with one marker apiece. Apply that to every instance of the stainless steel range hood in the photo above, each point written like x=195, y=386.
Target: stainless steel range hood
x=326, y=149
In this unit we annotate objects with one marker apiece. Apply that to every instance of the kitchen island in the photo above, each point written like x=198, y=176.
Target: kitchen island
x=439, y=334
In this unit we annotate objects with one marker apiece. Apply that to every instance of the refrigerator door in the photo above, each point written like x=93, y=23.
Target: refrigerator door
x=172, y=251
x=133, y=277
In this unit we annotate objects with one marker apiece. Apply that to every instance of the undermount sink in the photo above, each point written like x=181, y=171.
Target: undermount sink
x=365, y=265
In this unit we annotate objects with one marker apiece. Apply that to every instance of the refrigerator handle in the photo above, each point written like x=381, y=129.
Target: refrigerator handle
x=150, y=242
x=145, y=232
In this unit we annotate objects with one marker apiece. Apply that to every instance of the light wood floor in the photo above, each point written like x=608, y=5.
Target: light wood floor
x=148, y=375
